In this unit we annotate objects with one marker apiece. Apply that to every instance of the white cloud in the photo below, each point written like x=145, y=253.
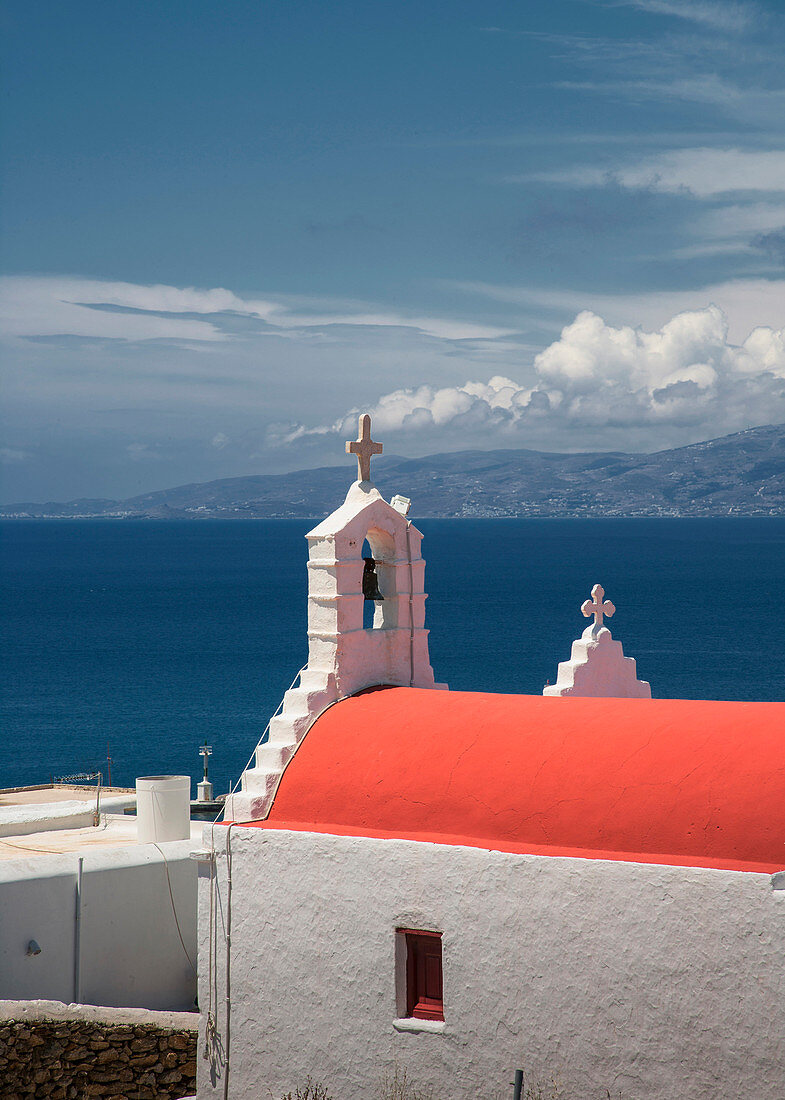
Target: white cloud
x=745, y=102
x=420, y=407
x=747, y=303
x=142, y=452
x=33, y=306
x=735, y=228
x=722, y=15
x=154, y=413
x=706, y=172
x=598, y=377
x=741, y=220
x=13, y=454
x=702, y=172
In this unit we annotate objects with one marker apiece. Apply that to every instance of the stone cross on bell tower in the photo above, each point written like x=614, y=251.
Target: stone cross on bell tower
x=344, y=655
x=364, y=447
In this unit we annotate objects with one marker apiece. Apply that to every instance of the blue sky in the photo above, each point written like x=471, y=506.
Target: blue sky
x=226, y=228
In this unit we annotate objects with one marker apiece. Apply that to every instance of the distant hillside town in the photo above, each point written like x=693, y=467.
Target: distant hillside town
x=741, y=474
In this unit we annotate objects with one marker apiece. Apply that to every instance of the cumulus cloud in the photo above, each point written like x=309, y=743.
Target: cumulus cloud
x=473, y=404
x=599, y=376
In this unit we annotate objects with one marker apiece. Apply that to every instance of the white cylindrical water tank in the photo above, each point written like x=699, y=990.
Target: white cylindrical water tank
x=163, y=808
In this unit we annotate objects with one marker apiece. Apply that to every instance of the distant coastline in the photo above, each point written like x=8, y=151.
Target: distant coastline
x=741, y=474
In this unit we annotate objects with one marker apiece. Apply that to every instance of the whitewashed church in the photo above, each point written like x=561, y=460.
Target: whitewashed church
x=587, y=886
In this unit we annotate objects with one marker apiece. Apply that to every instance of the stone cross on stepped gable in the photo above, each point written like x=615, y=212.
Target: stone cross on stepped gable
x=597, y=606
x=597, y=666
x=364, y=448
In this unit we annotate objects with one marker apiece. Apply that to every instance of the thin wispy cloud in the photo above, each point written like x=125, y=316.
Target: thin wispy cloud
x=748, y=230
x=746, y=303
x=35, y=307
x=703, y=172
x=740, y=220
x=741, y=190
x=721, y=15
x=772, y=243
x=592, y=49
x=732, y=100
x=727, y=56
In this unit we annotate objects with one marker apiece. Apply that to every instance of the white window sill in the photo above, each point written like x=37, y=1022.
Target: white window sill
x=410, y=1023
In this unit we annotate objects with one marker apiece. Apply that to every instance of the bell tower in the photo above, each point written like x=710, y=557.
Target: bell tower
x=343, y=656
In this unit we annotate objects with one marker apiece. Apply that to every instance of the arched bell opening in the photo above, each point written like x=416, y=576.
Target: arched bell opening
x=369, y=582
x=380, y=606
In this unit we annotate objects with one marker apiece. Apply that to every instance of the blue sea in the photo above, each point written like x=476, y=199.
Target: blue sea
x=143, y=639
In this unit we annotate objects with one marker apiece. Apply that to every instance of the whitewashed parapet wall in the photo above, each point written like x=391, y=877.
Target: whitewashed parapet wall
x=113, y=935
x=344, y=658
x=597, y=666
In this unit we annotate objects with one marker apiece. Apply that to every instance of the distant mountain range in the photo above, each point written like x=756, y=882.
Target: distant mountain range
x=741, y=474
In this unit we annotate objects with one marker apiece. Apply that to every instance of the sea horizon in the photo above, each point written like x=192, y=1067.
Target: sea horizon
x=151, y=637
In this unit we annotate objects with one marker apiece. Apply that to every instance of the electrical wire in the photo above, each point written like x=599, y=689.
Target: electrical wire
x=266, y=730
x=212, y=1038
x=210, y=1032
x=411, y=602
x=227, y=985
x=174, y=907
x=212, y=1041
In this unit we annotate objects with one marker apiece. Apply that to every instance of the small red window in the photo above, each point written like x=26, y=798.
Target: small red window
x=424, y=998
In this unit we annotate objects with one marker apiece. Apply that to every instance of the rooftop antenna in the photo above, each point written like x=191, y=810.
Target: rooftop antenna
x=205, y=788
x=82, y=778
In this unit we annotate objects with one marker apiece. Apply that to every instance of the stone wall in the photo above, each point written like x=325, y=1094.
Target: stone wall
x=53, y=1051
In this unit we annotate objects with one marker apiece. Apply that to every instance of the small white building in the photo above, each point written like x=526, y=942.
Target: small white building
x=460, y=885
x=89, y=915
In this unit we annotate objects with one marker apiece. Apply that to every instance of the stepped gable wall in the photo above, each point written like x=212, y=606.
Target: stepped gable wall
x=53, y=1051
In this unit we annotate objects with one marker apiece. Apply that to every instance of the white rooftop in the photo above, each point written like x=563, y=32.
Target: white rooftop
x=55, y=819
x=59, y=792
x=114, y=831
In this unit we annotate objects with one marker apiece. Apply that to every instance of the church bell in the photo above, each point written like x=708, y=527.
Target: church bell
x=371, y=581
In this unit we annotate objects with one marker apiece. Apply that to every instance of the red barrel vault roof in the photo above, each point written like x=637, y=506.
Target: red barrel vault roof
x=689, y=783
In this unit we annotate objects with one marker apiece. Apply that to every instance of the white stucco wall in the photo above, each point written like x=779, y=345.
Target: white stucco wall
x=130, y=952
x=658, y=983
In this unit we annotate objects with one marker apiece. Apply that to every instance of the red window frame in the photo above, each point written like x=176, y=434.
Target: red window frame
x=424, y=988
